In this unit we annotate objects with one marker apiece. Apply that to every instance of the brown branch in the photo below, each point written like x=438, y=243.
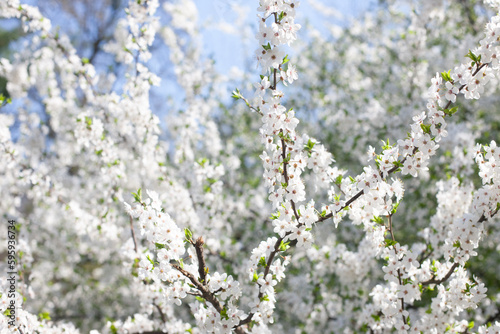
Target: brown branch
x=402, y=299
x=349, y=202
x=193, y=294
x=433, y=280
x=285, y=171
x=250, y=106
x=205, y=293
x=390, y=228
x=399, y=271
x=133, y=234
x=162, y=315
x=274, y=73
x=198, y=245
x=424, y=256
x=483, y=217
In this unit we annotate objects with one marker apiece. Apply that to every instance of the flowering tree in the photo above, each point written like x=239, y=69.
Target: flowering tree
x=122, y=227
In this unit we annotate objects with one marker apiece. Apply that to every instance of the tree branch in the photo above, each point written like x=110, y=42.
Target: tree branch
x=133, y=234
x=205, y=293
x=433, y=280
x=198, y=245
x=162, y=315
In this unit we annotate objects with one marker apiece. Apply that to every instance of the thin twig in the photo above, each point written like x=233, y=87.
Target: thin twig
x=433, y=280
x=133, y=234
x=202, y=288
x=399, y=271
x=162, y=315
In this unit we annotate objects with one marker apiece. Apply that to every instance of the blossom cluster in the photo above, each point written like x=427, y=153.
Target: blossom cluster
x=176, y=274
x=182, y=259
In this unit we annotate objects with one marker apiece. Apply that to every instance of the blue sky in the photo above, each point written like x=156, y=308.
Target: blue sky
x=224, y=45
x=227, y=49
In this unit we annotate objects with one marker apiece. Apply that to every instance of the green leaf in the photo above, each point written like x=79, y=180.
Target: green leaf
x=472, y=56
x=446, y=76
x=426, y=128
x=387, y=145
x=151, y=261
x=138, y=196
x=309, y=146
x=236, y=94
x=276, y=215
x=188, y=234
x=450, y=111
x=88, y=121
x=267, y=47
x=223, y=313
x=285, y=60
x=202, y=162
x=262, y=262
x=378, y=220
x=283, y=246
x=390, y=242
x=394, y=208
x=398, y=163
x=44, y=316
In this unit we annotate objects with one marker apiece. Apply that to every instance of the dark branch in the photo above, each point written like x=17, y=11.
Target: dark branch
x=198, y=245
x=133, y=233
x=433, y=280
